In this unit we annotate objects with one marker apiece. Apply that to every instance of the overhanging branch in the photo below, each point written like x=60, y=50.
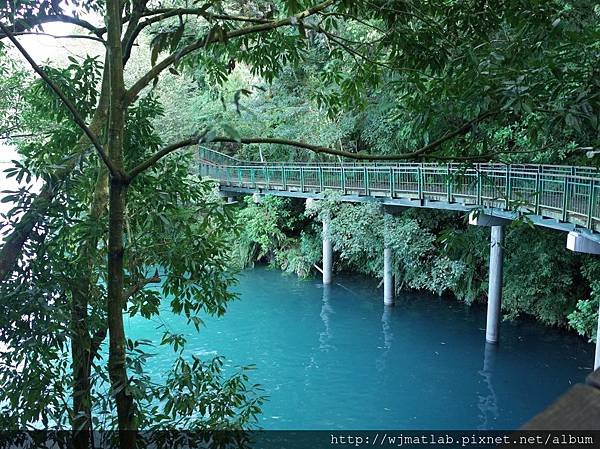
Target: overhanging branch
x=416, y=154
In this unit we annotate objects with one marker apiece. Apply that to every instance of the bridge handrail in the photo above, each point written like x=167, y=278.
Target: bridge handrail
x=217, y=158
x=568, y=194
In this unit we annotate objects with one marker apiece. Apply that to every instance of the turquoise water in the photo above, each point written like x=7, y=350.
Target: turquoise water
x=335, y=358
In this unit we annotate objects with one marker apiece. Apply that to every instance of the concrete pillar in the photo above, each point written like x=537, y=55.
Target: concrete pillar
x=388, y=265
x=478, y=218
x=587, y=244
x=388, y=277
x=495, y=284
x=230, y=200
x=597, y=357
x=327, y=254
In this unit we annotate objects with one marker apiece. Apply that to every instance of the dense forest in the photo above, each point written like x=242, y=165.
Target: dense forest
x=110, y=215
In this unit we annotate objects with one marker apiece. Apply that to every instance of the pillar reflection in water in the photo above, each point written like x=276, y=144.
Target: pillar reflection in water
x=388, y=337
x=326, y=311
x=488, y=404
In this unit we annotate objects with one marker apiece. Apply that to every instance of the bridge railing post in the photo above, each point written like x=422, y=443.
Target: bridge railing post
x=479, y=182
x=321, y=181
x=449, y=182
x=420, y=181
x=266, y=171
x=590, y=217
x=538, y=191
x=565, y=202
x=283, y=178
x=508, y=190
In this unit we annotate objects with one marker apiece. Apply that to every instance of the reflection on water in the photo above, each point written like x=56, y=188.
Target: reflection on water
x=488, y=404
x=335, y=358
x=326, y=311
x=388, y=337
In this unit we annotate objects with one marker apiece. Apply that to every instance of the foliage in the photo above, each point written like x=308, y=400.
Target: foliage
x=358, y=233
x=185, y=233
x=265, y=225
x=303, y=254
x=437, y=251
x=584, y=319
x=462, y=80
x=540, y=275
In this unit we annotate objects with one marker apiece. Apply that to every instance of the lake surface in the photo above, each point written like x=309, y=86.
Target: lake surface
x=335, y=358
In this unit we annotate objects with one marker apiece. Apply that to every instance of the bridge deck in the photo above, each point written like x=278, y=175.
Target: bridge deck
x=559, y=197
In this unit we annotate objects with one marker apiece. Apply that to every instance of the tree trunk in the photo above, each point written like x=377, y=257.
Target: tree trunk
x=80, y=353
x=116, y=359
x=117, y=199
x=82, y=349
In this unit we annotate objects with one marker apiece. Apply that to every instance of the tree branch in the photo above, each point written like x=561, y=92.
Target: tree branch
x=70, y=106
x=306, y=146
x=97, y=340
x=132, y=93
x=140, y=285
x=165, y=13
x=162, y=153
x=68, y=36
x=39, y=20
x=132, y=28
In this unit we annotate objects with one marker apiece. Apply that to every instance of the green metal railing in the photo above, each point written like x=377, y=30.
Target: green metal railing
x=569, y=194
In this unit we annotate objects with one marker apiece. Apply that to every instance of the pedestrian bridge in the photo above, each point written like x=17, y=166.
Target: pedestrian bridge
x=554, y=196
x=560, y=197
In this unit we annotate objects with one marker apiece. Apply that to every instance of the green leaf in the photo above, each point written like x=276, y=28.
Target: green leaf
x=231, y=132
